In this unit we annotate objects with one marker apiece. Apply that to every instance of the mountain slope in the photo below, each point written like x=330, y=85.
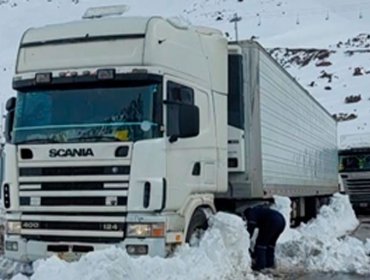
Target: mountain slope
x=332, y=25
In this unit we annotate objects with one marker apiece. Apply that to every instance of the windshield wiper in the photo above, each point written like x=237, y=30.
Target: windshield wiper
x=96, y=138
x=38, y=141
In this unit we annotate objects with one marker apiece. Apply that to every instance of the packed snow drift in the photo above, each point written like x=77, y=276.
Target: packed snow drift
x=324, y=243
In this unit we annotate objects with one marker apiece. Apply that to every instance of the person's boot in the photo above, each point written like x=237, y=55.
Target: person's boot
x=260, y=257
x=270, y=257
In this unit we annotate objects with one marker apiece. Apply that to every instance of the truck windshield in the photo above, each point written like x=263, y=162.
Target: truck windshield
x=357, y=162
x=129, y=113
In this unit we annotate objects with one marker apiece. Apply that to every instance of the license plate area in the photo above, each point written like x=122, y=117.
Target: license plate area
x=70, y=253
x=69, y=256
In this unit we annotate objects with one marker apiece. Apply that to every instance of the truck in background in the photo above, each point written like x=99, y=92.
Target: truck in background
x=128, y=131
x=354, y=168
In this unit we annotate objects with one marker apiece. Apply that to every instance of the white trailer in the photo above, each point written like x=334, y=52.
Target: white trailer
x=281, y=140
x=119, y=136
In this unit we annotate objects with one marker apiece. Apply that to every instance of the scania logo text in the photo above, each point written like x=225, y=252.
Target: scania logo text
x=71, y=152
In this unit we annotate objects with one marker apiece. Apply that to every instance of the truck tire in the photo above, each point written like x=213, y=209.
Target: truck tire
x=197, y=226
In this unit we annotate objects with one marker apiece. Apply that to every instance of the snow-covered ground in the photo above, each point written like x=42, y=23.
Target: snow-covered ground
x=322, y=245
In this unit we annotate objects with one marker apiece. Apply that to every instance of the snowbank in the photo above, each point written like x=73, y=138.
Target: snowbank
x=222, y=254
x=323, y=244
x=367, y=246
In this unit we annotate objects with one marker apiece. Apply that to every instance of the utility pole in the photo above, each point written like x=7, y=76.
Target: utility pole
x=235, y=19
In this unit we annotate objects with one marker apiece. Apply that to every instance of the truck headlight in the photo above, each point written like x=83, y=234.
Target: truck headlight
x=145, y=230
x=13, y=227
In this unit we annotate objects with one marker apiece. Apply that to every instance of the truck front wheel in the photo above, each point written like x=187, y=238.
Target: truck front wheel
x=197, y=226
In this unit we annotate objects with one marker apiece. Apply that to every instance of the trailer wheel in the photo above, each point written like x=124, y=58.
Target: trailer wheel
x=197, y=226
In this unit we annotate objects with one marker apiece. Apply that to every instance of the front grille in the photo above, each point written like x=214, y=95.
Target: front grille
x=72, y=201
x=62, y=238
x=358, y=189
x=73, y=225
x=82, y=214
x=74, y=171
x=74, y=208
x=81, y=186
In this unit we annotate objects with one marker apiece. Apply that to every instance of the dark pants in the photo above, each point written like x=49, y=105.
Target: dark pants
x=270, y=224
x=270, y=228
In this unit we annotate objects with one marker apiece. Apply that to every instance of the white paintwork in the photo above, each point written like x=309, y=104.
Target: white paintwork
x=85, y=178
x=116, y=185
x=236, y=148
x=192, y=52
x=60, y=218
x=72, y=193
x=73, y=233
x=69, y=209
x=11, y=176
x=192, y=203
x=148, y=165
x=206, y=149
x=29, y=186
x=298, y=136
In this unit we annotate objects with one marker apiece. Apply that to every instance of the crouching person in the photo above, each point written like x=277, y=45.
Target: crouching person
x=270, y=224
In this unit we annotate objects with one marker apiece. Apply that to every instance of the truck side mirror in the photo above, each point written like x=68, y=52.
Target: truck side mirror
x=182, y=120
x=188, y=120
x=10, y=104
x=9, y=119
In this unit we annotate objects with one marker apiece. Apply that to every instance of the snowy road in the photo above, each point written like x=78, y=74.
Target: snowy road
x=363, y=230
x=323, y=276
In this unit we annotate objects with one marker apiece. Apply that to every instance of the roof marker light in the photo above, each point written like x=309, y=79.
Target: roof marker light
x=43, y=78
x=106, y=74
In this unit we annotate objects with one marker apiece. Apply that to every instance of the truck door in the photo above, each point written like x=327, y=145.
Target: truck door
x=191, y=161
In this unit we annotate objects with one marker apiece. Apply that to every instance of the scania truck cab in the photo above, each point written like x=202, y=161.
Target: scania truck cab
x=105, y=140
x=354, y=170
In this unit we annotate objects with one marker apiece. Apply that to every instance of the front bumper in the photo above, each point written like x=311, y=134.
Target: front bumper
x=30, y=250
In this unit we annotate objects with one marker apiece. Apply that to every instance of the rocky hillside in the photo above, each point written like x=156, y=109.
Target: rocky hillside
x=337, y=76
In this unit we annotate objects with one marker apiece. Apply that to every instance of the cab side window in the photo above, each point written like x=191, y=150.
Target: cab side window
x=179, y=94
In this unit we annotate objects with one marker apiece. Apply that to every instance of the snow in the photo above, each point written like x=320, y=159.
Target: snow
x=322, y=245
x=342, y=84
x=367, y=246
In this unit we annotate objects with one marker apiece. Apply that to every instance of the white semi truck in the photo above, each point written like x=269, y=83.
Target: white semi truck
x=128, y=131
x=354, y=168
